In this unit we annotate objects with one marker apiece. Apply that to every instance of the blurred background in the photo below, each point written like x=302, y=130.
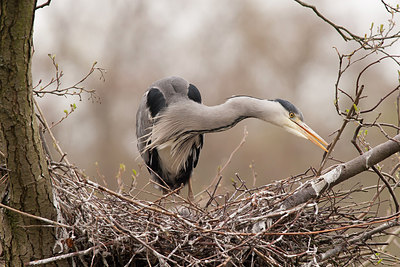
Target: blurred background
x=268, y=49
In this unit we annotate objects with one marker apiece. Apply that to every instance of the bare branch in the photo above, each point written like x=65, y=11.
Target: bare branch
x=35, y=217
x=47, y=127
x=362, y=238
x=63, y=256
x=43, y=5
x=77, y=89
x=345, y=33
x=343, y=172
x=375, y=41
x=381, y=100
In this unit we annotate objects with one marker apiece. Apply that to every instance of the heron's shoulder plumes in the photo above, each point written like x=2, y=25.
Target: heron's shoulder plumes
x=169, y=135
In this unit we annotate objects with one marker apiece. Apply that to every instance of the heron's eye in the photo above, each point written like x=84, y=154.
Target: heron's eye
x=291, y=115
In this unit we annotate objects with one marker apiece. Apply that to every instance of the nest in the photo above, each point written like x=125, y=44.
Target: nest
x=246, y=227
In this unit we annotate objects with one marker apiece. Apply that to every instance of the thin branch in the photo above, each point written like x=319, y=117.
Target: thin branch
x=343, y=172
x=353, y=141
x=361, y=238
x=360, y=225
x=74, y=90
x=36, y=217
x=43, y=5
x=389, y=188
x=346, y=34
x=63, y=256
x=338, y=135
x=245, y=133
x=47, y=127
x=381, y=100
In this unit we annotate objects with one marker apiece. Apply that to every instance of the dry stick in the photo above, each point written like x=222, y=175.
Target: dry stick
x=226, y=163
x=392, y=236
x=212, y=196
x=359, y=90
x=343, y=172
x=55, y=142
x=307, y=233
x=160, y=199
x=138, y=203
x=265, y=258
x=354, y=142
x=174, y=192
x=256, y=235
x=76, y=89
x=149, y=247
x=398, y=112
x=339, y=228
x=337, y=249
x=340, y=29
x=43, y=5
x=346, y=120
x=381, y=100
x=36, y=217
x=348, y=35
x=62, y=257
x=225, y=263
x=389, y=188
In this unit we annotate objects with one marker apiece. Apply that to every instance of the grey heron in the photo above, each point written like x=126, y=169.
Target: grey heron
x=171, y=122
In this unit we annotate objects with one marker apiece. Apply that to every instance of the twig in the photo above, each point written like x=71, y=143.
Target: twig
x=245, y=133
x=36, y=217
x=345, y=33
x=212, y=196
x=337, y=249
x=46, y=125
x=337, y=137
x=62, y=257
x=381, y=100
x=353, y=141
x=339, y=228
x=43, y=5
x=344, y=172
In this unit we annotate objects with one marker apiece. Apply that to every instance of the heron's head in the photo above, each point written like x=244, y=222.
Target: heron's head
x=291, y=119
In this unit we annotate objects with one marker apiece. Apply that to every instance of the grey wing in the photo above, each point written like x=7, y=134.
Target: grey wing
x=152, y=103
x=143, y=127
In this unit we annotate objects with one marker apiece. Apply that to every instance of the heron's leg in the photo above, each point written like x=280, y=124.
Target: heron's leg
x=190, y=192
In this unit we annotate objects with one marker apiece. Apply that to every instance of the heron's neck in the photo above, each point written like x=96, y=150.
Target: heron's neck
x=192, y=118
x=228, y=114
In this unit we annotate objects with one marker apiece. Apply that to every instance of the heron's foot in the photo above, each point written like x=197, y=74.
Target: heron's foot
x=190, y=192
x=190, y=196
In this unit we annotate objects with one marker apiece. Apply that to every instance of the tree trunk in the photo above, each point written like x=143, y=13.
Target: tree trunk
x=29, y=186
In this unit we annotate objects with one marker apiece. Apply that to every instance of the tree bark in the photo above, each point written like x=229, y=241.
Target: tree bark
x=29, y=186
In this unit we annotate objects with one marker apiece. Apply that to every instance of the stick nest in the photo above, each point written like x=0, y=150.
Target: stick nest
x=245, y=227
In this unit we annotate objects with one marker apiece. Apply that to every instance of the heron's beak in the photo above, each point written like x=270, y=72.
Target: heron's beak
x=300, y=128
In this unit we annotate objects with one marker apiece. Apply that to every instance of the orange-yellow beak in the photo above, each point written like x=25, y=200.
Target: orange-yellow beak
x=301, y=129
